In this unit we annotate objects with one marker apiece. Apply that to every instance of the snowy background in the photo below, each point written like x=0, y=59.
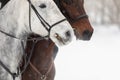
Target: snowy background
x=97, y=59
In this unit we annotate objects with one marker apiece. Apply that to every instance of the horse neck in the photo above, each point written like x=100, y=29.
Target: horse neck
x=43, y=54
x=13, y=17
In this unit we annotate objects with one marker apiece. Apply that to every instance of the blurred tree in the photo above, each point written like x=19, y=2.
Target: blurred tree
x=104, y=11
x=117, y=7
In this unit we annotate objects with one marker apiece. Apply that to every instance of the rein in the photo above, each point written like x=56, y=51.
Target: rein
x=45, y=24
x=58, y=2
x=42, y=76
x=42, y=20
x=14, y=75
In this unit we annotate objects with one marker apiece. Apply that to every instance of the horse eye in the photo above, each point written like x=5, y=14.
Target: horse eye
x=42, y=6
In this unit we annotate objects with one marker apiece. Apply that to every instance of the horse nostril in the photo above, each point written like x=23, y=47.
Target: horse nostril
x=68, y=34
x=87, y=35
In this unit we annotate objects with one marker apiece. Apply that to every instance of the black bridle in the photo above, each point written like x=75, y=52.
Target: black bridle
x=42, y=20
x=59, y=3
x=45, y=24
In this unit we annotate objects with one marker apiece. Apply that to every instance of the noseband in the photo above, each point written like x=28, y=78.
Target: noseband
x=58, y=2
x=42, y=20
x=79, y=17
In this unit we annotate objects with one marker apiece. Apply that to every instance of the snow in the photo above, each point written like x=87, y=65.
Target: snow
x=97, y=59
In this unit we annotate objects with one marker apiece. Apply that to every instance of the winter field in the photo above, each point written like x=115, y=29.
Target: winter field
x=97, y=59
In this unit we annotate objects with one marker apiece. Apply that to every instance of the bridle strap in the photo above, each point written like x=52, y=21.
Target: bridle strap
x=58, y=2
x=14, y=75
x=29, y=58
x=46, y=25
x=58, y=22
x=9, y=35
x=43, y=22
x=82, y=16
x=43, y=76
x=79, y=18
x=30, y=17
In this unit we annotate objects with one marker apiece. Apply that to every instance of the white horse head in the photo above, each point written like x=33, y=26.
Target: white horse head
x=60, y=33
x=18, y=15
x=19, y=19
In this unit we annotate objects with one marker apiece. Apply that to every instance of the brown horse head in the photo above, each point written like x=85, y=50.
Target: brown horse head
x=76, y=15
x=42, y=60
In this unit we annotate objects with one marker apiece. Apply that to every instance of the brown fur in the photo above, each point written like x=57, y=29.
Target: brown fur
x=44, y=50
